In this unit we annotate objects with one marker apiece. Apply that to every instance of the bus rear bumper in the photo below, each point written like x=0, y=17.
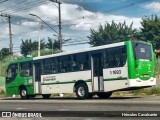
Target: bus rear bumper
x=141, y=83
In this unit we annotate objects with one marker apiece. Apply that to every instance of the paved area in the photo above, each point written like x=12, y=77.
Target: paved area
x=114, y=104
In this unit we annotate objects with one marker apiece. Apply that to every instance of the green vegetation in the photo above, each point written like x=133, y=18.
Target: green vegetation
x=44, y=52
x=29, y=47
x=147, y=91
x=150, y=31
x=2, y=81
x=5, y=61
x=111, y=33
x=4, y=52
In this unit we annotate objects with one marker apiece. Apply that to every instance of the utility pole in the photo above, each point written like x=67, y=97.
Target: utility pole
x=39, y=40
x=60, y=23
x=60, y=27
x=10, y=34
x=10, y=31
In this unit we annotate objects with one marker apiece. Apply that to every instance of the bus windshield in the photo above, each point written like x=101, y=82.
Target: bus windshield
x=142, y=51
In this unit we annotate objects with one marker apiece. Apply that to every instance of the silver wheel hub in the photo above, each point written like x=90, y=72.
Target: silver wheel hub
x=24, y=92
x=81, y=91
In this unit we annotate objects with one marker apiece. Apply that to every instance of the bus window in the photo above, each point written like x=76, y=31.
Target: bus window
x=65, y=63
x=26, y=69
x=11, y=72
x=115, y=57
x=48, y=66
x=142, y=51
x=80, y=62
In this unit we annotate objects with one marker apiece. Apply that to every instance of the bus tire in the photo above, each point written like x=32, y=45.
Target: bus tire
x=82, y=91
x=104, y=95
x=31, y=96
x=46, y=96
x=23, y=93
x=90, y=95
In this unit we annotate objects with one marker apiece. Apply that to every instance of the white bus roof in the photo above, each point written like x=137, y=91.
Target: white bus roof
x=80, y=51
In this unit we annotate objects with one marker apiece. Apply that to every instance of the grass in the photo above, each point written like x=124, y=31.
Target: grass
x=2, y=81
x=147, y=91
x=2, y=93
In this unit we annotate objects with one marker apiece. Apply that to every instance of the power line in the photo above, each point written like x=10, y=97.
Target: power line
x=105, y=21
x=116, y=9
x=13, y=6
x=75, y=44
x=45, y=23
x=24, y=6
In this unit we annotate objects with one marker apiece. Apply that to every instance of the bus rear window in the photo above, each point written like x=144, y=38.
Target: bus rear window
x=142, y=51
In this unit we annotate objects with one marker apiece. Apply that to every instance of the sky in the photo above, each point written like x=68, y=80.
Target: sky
x=78, y=17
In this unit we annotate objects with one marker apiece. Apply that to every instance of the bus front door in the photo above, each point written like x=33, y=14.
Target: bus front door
x=37, y=78
x=97, y=72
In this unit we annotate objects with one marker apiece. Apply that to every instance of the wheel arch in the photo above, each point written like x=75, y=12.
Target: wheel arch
x=20, y=87
x=77, y=83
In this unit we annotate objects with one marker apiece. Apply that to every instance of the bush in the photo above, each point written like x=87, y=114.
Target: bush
x=147, y=91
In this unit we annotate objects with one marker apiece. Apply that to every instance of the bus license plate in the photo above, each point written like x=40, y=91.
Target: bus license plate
x=145, y=75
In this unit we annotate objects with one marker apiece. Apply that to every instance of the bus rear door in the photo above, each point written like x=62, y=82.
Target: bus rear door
x=97, y=72
x=37, y=77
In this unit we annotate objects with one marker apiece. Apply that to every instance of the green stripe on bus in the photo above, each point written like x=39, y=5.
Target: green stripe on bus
x=112, y=79
x=84, y=81
x=64, y=82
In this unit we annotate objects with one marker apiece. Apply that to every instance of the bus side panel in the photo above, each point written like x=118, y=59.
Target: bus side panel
x=11, y=90
x=115, y=78
x=64, y=82
x=113, y=85
x=130, y=59
x=30, y=90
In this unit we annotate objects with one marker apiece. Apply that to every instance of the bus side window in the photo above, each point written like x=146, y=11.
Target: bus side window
x=115, y=57
x=65, y=63
x=11, y=72
x=75, y=63
x=26, y=69
x=80, y=62
x=8, y=73
x=48, y=66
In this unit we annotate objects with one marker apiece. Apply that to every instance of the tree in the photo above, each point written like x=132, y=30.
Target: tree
x=52, y=44
x=150, y=30
x=4, y=52
x=111, y=33
x=31, y=48
x=26, y=47
x=35, y=45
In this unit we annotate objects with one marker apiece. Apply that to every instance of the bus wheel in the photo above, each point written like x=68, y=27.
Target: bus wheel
x=23, y=93
x=31, y=96
x=90, y=95
x=104, y=95
x=46, y=96
x=82, y=91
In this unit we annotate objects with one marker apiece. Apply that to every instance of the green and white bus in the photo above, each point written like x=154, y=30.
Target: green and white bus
x=97, y=71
